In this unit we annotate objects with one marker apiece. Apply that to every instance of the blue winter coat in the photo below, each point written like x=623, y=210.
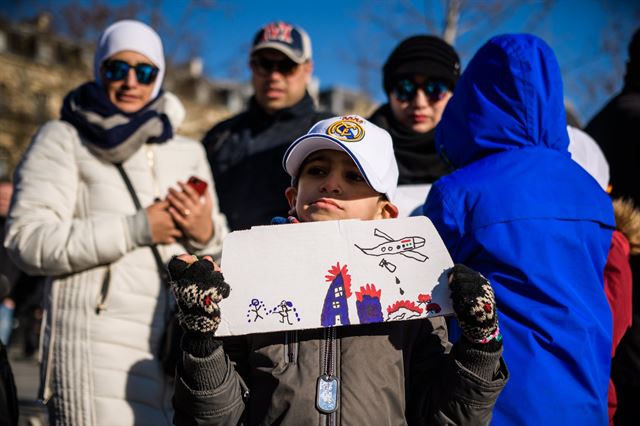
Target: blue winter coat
x=521, y=212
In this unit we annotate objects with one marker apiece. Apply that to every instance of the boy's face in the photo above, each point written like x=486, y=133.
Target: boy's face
x=330, y=187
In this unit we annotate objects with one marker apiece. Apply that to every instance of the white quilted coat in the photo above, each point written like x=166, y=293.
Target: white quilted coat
x=73, y=219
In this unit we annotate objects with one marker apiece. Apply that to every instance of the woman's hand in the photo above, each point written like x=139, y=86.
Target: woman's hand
x=163, y=227
x=192, y=212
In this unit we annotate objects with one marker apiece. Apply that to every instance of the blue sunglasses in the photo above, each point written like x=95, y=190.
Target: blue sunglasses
x=116, y=70
x=405, y=90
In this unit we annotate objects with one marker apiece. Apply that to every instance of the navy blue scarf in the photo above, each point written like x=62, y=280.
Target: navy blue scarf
x=110, y=133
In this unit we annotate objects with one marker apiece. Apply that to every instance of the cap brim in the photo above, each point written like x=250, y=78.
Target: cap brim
x=290, y=53
x=298, y=152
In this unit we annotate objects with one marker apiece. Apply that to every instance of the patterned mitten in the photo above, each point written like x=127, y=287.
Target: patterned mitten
x=198, y=289
x=474, y=304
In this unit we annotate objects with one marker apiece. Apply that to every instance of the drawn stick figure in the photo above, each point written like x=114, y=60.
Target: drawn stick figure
x=255, y=307
x=283, y=309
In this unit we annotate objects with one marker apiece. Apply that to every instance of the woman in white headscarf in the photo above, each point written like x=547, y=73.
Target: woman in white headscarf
x=74, y=219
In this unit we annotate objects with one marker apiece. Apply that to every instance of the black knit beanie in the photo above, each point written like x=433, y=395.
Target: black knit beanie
x=422, y=54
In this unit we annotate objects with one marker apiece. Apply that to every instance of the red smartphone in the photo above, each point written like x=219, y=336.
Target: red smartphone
x=198, y=184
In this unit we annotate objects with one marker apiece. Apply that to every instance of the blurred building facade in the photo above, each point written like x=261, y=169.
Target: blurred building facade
x=38, y=68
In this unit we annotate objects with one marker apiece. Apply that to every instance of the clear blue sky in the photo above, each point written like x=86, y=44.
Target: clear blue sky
x=345, y=33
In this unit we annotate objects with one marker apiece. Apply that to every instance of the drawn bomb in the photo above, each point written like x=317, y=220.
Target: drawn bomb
x=404, y=246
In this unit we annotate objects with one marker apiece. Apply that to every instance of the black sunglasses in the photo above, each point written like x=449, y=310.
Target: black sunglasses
x=266, y=66
x=116, y=70
x=405, y=90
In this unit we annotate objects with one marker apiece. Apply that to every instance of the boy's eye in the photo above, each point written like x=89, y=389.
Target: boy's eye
x=315, y=171
x=355, y=177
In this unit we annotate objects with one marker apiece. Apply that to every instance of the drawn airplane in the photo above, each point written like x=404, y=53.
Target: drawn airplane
x=405, y=246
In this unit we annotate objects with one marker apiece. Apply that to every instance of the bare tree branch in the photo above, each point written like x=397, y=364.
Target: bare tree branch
x=452, y=15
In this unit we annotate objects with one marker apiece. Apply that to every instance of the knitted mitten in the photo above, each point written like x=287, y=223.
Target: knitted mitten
x=198, y=289
x=475, y=306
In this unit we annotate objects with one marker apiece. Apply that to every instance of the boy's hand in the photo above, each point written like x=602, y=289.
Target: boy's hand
x=474, y=304
x=198, y=286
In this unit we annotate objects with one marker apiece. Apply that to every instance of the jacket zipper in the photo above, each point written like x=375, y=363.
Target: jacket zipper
x=291, y=345
x=45, y=392
x=151, y=160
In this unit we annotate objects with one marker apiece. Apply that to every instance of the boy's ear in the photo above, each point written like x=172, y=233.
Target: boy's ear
x=388, y=210
x=292, y=196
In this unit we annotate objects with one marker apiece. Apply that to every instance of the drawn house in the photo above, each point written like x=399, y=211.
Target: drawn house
x=368, y=304
x=425, y=299
x=335, y=310
x=403, y=310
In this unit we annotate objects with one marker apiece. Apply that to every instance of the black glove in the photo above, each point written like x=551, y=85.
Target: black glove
x=198, y=289
x=474, y=304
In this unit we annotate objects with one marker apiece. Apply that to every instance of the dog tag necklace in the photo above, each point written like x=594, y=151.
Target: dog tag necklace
x=328, y=385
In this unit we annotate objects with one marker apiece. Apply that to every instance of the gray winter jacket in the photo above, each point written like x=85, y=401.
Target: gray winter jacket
x=390, y=374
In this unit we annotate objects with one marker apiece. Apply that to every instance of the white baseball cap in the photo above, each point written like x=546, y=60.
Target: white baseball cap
x=369, y=146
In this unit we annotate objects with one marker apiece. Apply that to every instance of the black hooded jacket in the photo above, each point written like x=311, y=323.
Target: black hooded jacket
x=616, y=128
x=245, y=153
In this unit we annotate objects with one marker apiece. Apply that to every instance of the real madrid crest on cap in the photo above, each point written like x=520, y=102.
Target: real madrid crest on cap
x=347, y=129
x=369, y=146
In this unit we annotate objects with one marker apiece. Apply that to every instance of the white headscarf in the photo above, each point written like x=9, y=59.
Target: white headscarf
x=586, y=152
x=135, y=36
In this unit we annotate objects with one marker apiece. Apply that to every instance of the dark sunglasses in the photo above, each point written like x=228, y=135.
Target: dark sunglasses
x=405, y=90
x=116, y=70
x=266, y=66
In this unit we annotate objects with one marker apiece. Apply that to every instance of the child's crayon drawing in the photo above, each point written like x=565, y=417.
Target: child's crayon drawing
x=405, y=246
x=384, y=263
x=256, y=308
x=286, y=310
x=403, y=310
x=332, y=274
x=368, y=304
x=335, y=310
x=429, y=306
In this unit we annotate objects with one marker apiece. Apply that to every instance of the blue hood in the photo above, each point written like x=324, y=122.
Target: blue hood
x=514, y=80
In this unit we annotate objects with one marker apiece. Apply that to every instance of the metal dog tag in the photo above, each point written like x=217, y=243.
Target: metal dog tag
x=327, y=391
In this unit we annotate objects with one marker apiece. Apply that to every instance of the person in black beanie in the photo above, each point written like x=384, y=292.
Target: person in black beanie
x=418, y=78
x=616, y=128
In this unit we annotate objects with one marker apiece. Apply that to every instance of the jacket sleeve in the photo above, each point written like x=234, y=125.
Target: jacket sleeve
x=209, y=391
x=454, y=386
x=44, y=235
x=220, y=228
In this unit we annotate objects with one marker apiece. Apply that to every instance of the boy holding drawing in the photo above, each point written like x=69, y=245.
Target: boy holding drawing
x=402, y=372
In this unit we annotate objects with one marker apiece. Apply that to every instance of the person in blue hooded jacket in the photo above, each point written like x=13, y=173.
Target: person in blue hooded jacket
x=521, y=212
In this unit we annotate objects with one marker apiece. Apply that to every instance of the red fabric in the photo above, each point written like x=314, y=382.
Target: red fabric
x=618, y=284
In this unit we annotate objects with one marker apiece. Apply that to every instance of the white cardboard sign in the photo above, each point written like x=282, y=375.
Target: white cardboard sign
x=334, y=273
